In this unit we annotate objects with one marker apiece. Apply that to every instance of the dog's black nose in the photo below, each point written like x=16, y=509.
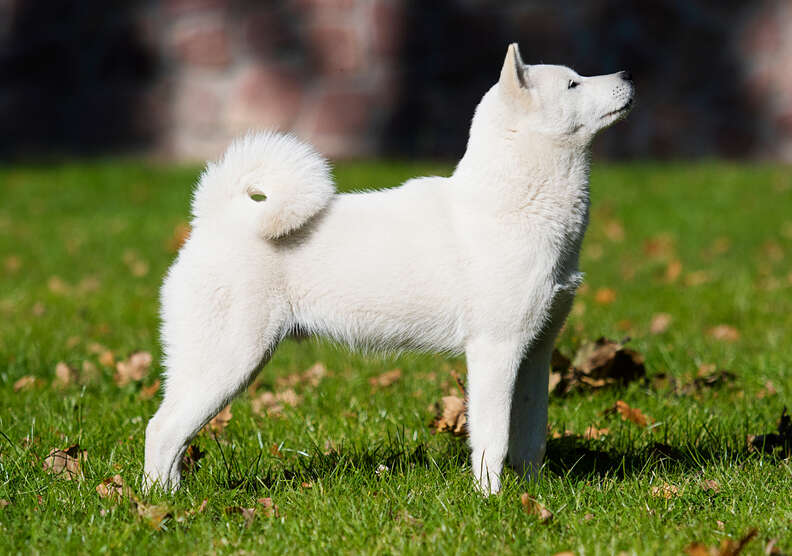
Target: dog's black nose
x=626, y=75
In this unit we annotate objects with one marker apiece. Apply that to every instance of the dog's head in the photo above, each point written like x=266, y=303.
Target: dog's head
x=555, y=101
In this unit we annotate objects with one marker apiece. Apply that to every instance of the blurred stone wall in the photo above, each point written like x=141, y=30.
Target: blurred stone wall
x=180, y=78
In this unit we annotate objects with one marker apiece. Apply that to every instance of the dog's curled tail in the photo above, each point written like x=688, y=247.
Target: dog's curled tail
x=267, y=181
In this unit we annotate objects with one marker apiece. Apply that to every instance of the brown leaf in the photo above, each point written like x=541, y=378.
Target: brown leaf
x=451, y=417
x=4, y=503
x=106, y=358
x=385, y=379
x=89, y=372
x=727, y=547
x=273, y=404
x=64, y=375
x=26, y=383
x=12, y=264
x=148, y=392
x=65, y=464
x=180, y=234
x=599, y=364
x=192, y=455
x=311, y=376
x=710, y=484
x=659, y=247
x=665, y=490
x=660, y=323
x=768, y=390
x=634, y=415
x=533, y=507
x=605, y=296
x=220, y=421
x=247, y=513
x=614, y=230
x=724, y=333
x=593, y=433
x=771, y=442
x=154, y=515
x=114, y=487
x=57, y=286
x=697, y=278
x=133, y=368
x=268, y=507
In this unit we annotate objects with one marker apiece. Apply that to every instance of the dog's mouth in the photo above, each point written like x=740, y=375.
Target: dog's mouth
x=623, y=110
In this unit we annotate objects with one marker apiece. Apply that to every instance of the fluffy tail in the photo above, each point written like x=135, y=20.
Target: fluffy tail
x=269, y=181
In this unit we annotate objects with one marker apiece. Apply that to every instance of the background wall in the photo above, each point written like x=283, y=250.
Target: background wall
x=178, y=78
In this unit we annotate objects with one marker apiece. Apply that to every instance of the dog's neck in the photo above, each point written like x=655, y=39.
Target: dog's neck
x=520, y=167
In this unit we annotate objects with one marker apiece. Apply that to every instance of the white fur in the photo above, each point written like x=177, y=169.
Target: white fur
x=484, y=262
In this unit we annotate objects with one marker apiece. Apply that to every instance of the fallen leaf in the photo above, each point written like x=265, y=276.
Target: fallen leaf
x=26, y=383
x=107, y=358
x=148, y=392
x=727, y=547
x=65, y=464
x=771, y=442
x=709, y=484
x=247, y=513
x=665, y=490
x=180, y=234
x=659, y=247
x=4, y=503
x=533, y=507
x=596, y=365
x=192, y=455
x=113, y=487
x=64, y=375
x=697, y=278
x=57, y=286
x=385, y=379
x=451, y=417
x=12, y=264
x=660, y=323
x=218, y=424
x=269, y=508
x=274, y=403
x=605, y=296
x=89, y=372
x=673, y=270
x=133, y=368
x=724, y=333
x=38, y=309
x=311, y=376
x=769, y=389
x=614, y=230
x=588, y=517
x=593, y=433
x=154, y=515
x=634, y=415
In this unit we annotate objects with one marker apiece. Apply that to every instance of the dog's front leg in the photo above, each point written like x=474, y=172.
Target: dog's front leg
x=528, y=424
x=492, y=370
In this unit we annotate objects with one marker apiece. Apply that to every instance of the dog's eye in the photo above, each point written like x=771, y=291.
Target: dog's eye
x=572, y=84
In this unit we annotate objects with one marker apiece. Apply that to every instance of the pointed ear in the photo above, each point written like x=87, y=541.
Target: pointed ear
x=512, y=77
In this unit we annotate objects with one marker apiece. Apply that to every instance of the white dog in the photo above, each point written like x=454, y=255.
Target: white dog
x=484, y=263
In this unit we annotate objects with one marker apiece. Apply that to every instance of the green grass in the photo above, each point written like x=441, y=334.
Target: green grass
x=728, y=225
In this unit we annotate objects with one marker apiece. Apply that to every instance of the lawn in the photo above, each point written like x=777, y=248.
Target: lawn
x=349, y=460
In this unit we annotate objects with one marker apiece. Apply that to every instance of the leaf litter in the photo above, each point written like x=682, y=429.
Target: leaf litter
x=65, y=464
x=596, y=365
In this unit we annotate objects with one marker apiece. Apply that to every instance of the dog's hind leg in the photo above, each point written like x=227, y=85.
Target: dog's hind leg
x=492, y=370
x=203, y=375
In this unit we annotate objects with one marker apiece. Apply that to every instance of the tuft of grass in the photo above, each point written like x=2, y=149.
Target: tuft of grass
x=355, y=469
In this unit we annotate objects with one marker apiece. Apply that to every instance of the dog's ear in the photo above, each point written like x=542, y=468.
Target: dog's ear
x=512, y=78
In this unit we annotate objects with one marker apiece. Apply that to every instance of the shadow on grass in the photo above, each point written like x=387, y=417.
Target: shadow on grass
x=572, y=457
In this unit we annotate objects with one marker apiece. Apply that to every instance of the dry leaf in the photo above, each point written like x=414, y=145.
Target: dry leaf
x=220, y=421
x=727, y=547
x=660, y=246
x=634, y=415
x=269, y=508
x=273, y=404
x=614, y=230
x=107, y=358
x=593, y=433
x=4, y=503
x=697, y=278
x=769, y=389
x=596, y=365
x=660, y=323
x=665, y=490
x=65, y=464
x=114, y=487
x=311, y=376
x=89, y=372
x=57, y=286
x=605, y=296
x=709, y=484
x=192, y=455
x=26, y=383
x=385, y=379
x=12, y=264
x=724, y=332
x=533, y=507
x=148, y=392
x=154, y=515
x=451, y=417
x=247, y=513
x=64, y=375
x=673, y=270
x=771, y=442
x=180, y=234
x=133, y=368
